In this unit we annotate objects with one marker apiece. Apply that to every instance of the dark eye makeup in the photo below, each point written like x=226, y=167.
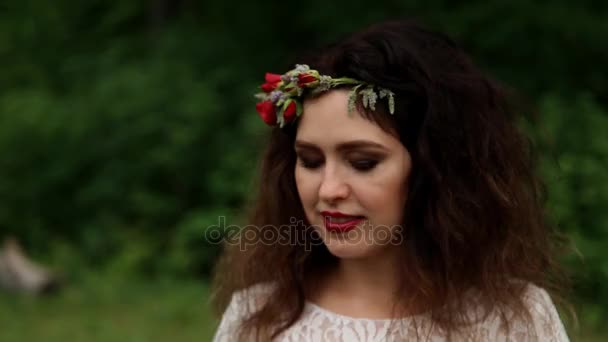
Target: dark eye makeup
x=363, y=164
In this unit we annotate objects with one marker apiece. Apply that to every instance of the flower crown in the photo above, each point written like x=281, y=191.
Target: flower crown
x=281, y=96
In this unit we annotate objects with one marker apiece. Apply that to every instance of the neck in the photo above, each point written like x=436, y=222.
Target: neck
x=363, y=284
x=372, y=277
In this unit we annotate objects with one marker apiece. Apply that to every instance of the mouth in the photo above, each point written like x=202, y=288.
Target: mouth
x=343, y=219
x=341, y=224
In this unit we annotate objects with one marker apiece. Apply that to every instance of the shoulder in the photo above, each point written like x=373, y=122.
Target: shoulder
x=540, y=322
x=252, y=297
x=537, y=299
x=544, y=315
x=243, y=304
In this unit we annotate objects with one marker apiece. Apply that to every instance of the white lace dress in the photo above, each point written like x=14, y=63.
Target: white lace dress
x=318, y=324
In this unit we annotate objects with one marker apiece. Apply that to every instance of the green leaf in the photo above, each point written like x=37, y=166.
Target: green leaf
x=352, y=99
x=299, y=108
x=280, y=118
x=286, y=104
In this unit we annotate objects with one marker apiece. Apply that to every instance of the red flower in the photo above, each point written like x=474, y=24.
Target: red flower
x=267, y=112
x=304, y=79
x=268, y=87
x=272, y=78
x=290, y=112
x=272, y=81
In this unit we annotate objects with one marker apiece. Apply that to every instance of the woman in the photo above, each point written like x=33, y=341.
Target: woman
x=397, y=201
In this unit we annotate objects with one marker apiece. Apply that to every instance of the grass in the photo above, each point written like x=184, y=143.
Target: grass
x=98, y=310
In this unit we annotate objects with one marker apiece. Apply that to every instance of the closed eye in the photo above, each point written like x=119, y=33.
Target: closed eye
x=310, y=164
x=364, y=165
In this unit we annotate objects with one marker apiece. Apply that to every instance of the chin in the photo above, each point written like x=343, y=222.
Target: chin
x=345, y=250
x=345, y=253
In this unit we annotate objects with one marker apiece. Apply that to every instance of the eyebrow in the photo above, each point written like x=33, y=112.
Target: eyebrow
x=345, y=146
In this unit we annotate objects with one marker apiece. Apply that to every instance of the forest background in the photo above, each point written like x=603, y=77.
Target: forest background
x=127, y=128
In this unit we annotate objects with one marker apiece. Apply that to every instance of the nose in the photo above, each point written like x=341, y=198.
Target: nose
x=333, y=186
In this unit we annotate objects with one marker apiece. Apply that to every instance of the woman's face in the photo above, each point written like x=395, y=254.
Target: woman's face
x=349, y=165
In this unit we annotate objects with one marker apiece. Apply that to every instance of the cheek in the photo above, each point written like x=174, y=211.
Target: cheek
x=306, y=187
x=386, y=195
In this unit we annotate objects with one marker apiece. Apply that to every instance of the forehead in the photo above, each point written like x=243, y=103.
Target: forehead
x=325, y=121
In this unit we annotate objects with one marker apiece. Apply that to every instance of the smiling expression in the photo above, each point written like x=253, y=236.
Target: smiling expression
x=347, y=164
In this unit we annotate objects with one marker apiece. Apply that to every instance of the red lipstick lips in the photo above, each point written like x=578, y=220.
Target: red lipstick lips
x=339, y=222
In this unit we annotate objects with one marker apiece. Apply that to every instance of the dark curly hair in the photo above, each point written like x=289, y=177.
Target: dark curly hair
x=475, y=216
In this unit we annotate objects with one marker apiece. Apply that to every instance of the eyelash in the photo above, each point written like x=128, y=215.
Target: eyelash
x=362, y=165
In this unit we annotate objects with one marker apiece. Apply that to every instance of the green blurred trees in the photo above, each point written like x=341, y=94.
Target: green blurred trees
x=127, y=127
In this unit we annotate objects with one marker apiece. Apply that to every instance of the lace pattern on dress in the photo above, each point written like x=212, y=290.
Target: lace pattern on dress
x=318, y=324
